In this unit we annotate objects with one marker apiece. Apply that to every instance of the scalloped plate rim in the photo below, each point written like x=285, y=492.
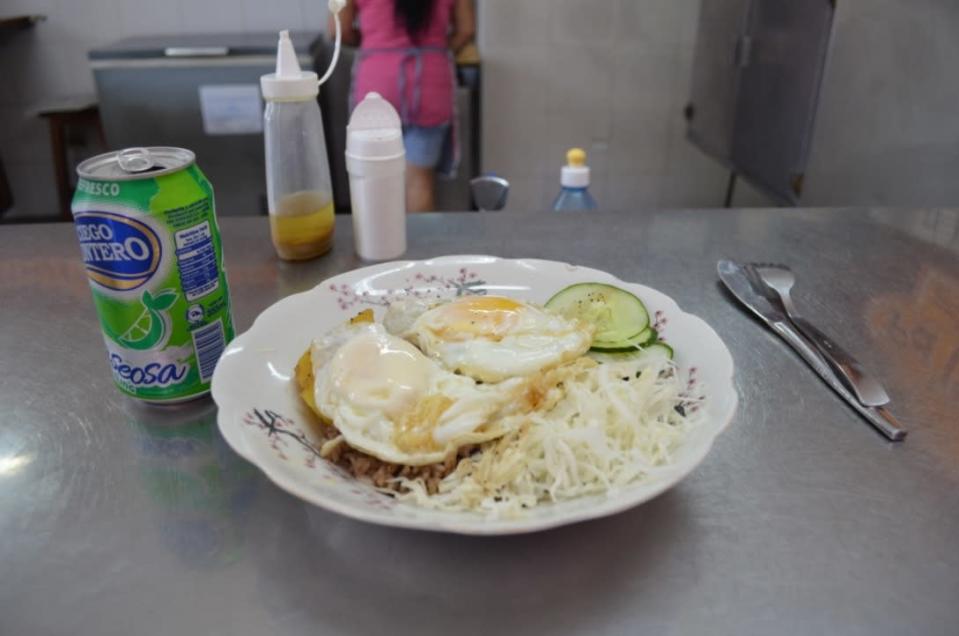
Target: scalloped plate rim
x=470, y=523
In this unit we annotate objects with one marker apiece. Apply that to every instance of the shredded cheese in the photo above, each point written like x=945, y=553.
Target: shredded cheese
x=616, y=423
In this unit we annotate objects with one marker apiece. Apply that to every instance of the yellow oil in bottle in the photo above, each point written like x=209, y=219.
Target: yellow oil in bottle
x=301, y=225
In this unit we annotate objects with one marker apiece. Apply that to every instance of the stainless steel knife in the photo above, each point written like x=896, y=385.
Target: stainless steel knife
x=736, y=281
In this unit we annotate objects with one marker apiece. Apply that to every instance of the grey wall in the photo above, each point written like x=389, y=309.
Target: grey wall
x=48, y=62
x=888, y=126
x=611, y=76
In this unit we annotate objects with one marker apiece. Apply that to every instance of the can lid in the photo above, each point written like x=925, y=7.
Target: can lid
x=135, y=163
x=375, y=130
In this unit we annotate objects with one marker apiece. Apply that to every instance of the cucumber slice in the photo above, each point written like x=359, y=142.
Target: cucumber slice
x=644, y=337
x=617, y=314
x=659, y=349
x=614, y=356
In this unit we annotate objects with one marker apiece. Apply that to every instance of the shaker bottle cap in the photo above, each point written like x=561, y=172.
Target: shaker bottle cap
x=375, y=130
x=289, y=83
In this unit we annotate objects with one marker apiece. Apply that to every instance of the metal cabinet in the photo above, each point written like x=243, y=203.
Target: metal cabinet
x=756, y=77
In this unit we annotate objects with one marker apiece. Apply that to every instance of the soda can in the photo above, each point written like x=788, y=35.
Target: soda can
x=152, y=251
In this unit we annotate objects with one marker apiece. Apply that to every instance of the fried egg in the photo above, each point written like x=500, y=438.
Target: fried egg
x=492, y=338
x=389, y=400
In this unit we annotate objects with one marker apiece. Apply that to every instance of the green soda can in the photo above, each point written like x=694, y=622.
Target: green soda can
x=153, y=255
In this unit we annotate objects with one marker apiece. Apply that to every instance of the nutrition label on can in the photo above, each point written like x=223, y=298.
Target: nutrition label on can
x=196, y=259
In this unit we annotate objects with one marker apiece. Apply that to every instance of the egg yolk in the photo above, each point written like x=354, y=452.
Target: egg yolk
x=487, y=316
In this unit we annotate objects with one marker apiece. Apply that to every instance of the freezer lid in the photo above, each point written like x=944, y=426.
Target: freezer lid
x=203, y=45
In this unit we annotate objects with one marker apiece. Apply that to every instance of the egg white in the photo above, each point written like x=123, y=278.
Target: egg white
x=368, y=382
x=492, y=338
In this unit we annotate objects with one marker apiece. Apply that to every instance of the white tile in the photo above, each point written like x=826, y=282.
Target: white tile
x=640, y=140
x=315, y=15
x=512, y=23
x=579, y=78
x=91, y=22
x=886, y=129
x=513, y=147
x=64, y=39
x=272, y=16
x=656, y=24
x=642, y=78
x=514, y=106
x=580, y=21
x=151, y=18
x=212, y=16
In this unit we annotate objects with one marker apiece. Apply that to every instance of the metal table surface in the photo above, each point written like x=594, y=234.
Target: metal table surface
x=121, y=519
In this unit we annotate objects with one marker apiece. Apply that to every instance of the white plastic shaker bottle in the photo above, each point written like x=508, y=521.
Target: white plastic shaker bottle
x=376, y=162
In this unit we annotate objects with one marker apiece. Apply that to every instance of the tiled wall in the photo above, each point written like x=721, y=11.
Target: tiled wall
x=49, y=62
x=888, y=126
x=611, y=76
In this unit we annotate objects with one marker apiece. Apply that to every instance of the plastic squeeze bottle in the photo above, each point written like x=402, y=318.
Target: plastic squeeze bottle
x=376, y=162
x=574, y=179
x=297, y=170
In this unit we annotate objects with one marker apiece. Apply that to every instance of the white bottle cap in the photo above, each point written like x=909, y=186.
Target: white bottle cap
x=289, y=83
x=575, y=174
x=375, y=131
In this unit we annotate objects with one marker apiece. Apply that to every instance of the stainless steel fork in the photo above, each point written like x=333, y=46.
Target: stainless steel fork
x=779, y=280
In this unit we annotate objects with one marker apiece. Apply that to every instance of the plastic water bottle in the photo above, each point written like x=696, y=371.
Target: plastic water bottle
x=574, y=178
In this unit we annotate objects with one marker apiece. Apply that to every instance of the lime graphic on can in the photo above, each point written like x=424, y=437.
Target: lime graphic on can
x=152, y=251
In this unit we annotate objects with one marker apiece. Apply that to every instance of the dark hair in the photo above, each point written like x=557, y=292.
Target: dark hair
x=415, y=15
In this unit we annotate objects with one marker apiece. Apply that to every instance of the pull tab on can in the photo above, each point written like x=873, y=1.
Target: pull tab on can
x=135, y=160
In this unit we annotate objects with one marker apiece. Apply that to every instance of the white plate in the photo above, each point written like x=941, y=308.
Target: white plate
x=264, y=420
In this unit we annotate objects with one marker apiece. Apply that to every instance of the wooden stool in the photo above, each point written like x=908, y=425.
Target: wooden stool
x=60, y=116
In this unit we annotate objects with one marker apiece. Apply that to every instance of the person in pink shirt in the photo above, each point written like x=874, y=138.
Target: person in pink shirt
x=405, y=54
